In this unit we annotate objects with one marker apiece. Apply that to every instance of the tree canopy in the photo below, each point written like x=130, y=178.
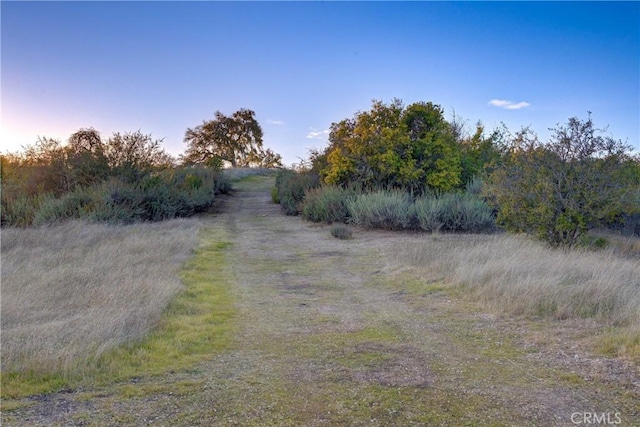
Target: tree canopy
x=236, y=139
x=559, y=190
x=391, y=146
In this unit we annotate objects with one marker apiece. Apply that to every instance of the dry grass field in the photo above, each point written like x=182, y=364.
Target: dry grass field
x=517, y=276
x=71, y=292
x=282, y=324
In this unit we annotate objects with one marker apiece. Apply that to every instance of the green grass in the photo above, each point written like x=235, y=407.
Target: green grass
x=198, y=323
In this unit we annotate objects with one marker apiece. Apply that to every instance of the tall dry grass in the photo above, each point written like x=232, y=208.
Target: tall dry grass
x=73, y=291
x=513, y=274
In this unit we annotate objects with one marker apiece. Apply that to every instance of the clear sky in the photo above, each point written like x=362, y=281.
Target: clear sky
x=162, y=67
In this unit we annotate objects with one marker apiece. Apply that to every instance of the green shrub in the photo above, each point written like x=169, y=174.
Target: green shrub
x=326, y=204
x=21, y=210
x=75, y=204
x=390, y=210
x=291, y=189
x=429, y=212
x=341, y=232
x=454, y=212
x=163, y=195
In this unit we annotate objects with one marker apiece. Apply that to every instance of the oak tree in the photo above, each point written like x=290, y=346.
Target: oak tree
x=236, y=139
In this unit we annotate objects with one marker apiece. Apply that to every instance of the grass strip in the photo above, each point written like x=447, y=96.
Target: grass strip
x=197, y=324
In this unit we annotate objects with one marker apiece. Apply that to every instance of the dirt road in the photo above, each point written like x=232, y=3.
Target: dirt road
x=328, y=333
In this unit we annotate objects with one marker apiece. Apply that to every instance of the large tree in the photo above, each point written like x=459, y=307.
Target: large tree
x=236, y=139
x=391, y=146
x=560, y=189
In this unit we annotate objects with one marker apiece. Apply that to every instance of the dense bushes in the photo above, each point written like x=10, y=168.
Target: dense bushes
x=392, y=209
x=580, y=179
x=454, y=212
x=166, y=194
x=326, y=204
x=290, y=189
x=125, y=178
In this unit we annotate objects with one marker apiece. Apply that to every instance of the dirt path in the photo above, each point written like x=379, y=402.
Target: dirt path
x=328, y=335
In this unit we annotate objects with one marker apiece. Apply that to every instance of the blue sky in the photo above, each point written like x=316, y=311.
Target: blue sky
x=162, y=67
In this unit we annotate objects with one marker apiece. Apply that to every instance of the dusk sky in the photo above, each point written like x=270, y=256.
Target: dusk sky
x=161, y=67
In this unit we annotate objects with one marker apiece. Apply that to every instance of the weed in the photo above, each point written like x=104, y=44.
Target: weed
x=341, y=232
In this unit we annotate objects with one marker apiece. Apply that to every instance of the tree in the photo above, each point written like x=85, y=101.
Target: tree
x=391, y=146
x=480, y=154
x=561, y=189
x=86, y=158
x=236, y=139
x=270, y=159
x=132, y=155
x=43, y=168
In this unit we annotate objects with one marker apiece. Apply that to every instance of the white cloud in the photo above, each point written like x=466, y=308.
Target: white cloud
x=275, y=122
x=508, y=105
x=317, y=134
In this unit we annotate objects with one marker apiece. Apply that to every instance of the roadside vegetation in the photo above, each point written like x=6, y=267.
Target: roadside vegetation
x=407, y=168
x=514, y=275
x=128, y=177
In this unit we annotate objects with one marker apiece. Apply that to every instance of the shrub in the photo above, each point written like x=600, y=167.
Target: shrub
x=454, y=212
x=156, y=197
x=275, y=198
x=75, y=204
x=21, y=210
x=390, y=210
x=430, y=213
x=561, y=189
x=326, y=204
x=341, y=232
x=291, y=189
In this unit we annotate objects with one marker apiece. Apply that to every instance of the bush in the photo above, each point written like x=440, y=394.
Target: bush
x=395, y=210
x=21, y=210
x=75, y=204
x=326, y=204
x=341, y=232
x=156, y=197
x=390, y=210
x=454, y=212
x=275, y=197
x=558, y=191
x=429, y=212
x=291, y=189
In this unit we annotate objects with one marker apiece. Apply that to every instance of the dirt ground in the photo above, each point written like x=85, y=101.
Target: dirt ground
x=329, y=333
